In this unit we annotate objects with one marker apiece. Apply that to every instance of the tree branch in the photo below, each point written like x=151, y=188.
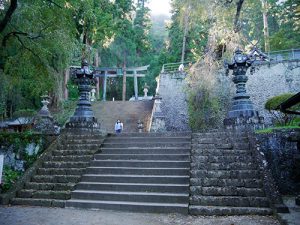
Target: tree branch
x=54, y=3
x=13, y=6
x=25, y=47
x=17, y=33
x=239, y=5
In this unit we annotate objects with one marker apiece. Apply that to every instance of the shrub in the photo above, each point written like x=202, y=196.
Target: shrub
x=10, y=176
x=279, y=117
x=204, y=110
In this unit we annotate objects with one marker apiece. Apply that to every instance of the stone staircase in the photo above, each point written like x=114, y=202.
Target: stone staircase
x=52, y=184
x=225, y=178
x=129, y=113
x=140, y=172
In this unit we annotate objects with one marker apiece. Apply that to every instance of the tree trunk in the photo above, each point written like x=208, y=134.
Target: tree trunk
x=186, y=25
x=96, y=64
x=266, y=26
x=124, y=80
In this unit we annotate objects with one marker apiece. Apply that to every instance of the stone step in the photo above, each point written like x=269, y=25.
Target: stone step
x=180, y=157
x=60, y=171
x=129, y=206
x=217, y=134
x=50, y=186
x=165, y=134
x=28, y=193
x=135, y=187
x=72, y=158
x=39, y=202
x=224, y=174
x=220, y=152
x=140, y=163
x=228, y=191
x=54, y=164
x=73, y=152
x=210, y=140
x=230, y=201
x=131, y=196
x=227, y=211
x=147, y=139
x=121, y=178
x=216, y=182
x=221, y=159
x=239, y=146
x=56, y=178
x=83, y=137
x=225, y=166
x=81, y=141
x=140, y=150
x=78, y=146
x=138, y=171
x=147, y=144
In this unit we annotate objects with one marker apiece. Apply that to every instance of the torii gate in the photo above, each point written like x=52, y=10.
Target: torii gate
x=107, y=72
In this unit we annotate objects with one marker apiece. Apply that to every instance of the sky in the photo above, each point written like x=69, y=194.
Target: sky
x=160, y=7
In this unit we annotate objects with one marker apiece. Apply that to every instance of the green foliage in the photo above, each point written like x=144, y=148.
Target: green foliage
x=64, y=112
x=280, y=118
x=274, y=102
x=204, y=110
x=24, y=113
x=10, y=176
x=19, y=140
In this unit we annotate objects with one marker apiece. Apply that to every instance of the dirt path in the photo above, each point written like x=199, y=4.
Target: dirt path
x=57, y=216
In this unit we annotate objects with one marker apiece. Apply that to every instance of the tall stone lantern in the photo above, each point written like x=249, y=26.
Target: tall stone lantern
x=83, y=117
x=242, y=114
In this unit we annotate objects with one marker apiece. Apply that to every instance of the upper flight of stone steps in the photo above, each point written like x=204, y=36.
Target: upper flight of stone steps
x=137, y=172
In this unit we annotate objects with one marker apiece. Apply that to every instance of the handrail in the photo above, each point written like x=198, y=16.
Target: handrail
x=274, y=56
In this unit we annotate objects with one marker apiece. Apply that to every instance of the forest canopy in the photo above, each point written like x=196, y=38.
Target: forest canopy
x=40, y=39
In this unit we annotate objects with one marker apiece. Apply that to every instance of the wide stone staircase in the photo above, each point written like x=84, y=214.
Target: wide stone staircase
x=225, y=178
x=55, y=179
x=128, y=112
x=141, y=172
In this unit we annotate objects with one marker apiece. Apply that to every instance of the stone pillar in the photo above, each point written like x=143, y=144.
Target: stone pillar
x=97, y=88
x=135, y=86
x=66, y=80
x=104, y=85
x=1, y=167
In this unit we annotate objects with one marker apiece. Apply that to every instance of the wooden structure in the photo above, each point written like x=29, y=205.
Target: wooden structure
x=110, y=72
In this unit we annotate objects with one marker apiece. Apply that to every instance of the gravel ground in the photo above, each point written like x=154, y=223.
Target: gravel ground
x=18, y=215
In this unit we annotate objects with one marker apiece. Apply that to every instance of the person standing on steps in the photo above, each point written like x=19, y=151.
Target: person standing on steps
x=118, y=127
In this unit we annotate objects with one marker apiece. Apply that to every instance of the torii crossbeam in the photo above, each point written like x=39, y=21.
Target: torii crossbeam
x=107, y=72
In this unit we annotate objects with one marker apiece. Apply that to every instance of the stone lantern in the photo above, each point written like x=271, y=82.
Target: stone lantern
x=242, y=114
x=83, y=117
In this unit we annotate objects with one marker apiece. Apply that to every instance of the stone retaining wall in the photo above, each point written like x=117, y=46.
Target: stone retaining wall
x=282, y=155
x=171, y=89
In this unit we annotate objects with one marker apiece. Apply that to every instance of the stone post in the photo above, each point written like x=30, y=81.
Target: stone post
x=135, y=85
x=104, y=85
x=1, y=167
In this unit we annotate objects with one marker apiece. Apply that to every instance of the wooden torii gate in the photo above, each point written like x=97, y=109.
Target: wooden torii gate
x=108, y=72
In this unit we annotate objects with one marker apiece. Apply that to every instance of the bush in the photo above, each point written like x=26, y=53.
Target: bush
x=279, y=117
x=10, y=176
x=204, y=110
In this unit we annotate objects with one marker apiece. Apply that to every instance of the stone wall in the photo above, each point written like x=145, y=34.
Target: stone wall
x=171, y=88
x=283, y=157
x=271, y=79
